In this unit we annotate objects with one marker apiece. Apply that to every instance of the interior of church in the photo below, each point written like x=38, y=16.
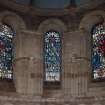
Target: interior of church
x=52, y=52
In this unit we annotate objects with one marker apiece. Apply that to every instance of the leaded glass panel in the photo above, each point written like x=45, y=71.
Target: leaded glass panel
x=52, y=56
x=98, y=52
x=6, y=51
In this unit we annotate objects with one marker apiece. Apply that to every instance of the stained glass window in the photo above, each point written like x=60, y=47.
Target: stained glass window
x=52, y=56
x=98, y=52
x=6, y=51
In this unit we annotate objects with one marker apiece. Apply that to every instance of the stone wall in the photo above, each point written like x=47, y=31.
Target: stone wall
x=33, y=100
x=28, y=63
x=76, y=85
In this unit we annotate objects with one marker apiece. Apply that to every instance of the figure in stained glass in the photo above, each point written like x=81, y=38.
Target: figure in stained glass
x=98, y=52
x=6, y=51
x=52, y=56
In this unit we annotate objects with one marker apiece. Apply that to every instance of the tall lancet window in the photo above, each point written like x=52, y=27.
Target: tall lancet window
x=52, y=56
x=98, y=52
x=6, y=51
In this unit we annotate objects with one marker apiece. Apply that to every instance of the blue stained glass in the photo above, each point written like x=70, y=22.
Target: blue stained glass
x=52, y=56
x=98, y=52
x=6, y=51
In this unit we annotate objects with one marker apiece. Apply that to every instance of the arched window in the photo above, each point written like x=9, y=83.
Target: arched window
x=6, y=51
x=98, y=52
x=52, y=56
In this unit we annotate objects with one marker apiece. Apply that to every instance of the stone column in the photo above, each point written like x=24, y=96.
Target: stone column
x=28, y=63
x=75, y=73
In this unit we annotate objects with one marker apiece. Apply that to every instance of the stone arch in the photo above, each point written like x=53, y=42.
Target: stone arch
x=86, y=25
x=91, y=19
x=17, y=24
x=48, y=25
x=52, y=24
x=13, y=20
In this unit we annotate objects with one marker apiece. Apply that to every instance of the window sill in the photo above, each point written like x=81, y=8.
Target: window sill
x=7, y=85
x=96, y=88
x=52, y=85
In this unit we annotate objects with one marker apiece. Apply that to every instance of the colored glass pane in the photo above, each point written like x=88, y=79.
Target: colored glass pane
x=98, y=51
x=6, y=51
x=52, y=56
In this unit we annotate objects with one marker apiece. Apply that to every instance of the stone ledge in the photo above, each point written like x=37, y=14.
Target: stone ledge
x=39, y=99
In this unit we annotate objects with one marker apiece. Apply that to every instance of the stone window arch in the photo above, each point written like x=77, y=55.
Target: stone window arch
x=87, y=26
x=54, y=26
x=16, y=23
x=52, y=23
x=12, y=20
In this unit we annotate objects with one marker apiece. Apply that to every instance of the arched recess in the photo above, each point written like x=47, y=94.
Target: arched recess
x=53, y=25
x=17, y=24
x=91, y=19
x=86, y=25
x=12, y=20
